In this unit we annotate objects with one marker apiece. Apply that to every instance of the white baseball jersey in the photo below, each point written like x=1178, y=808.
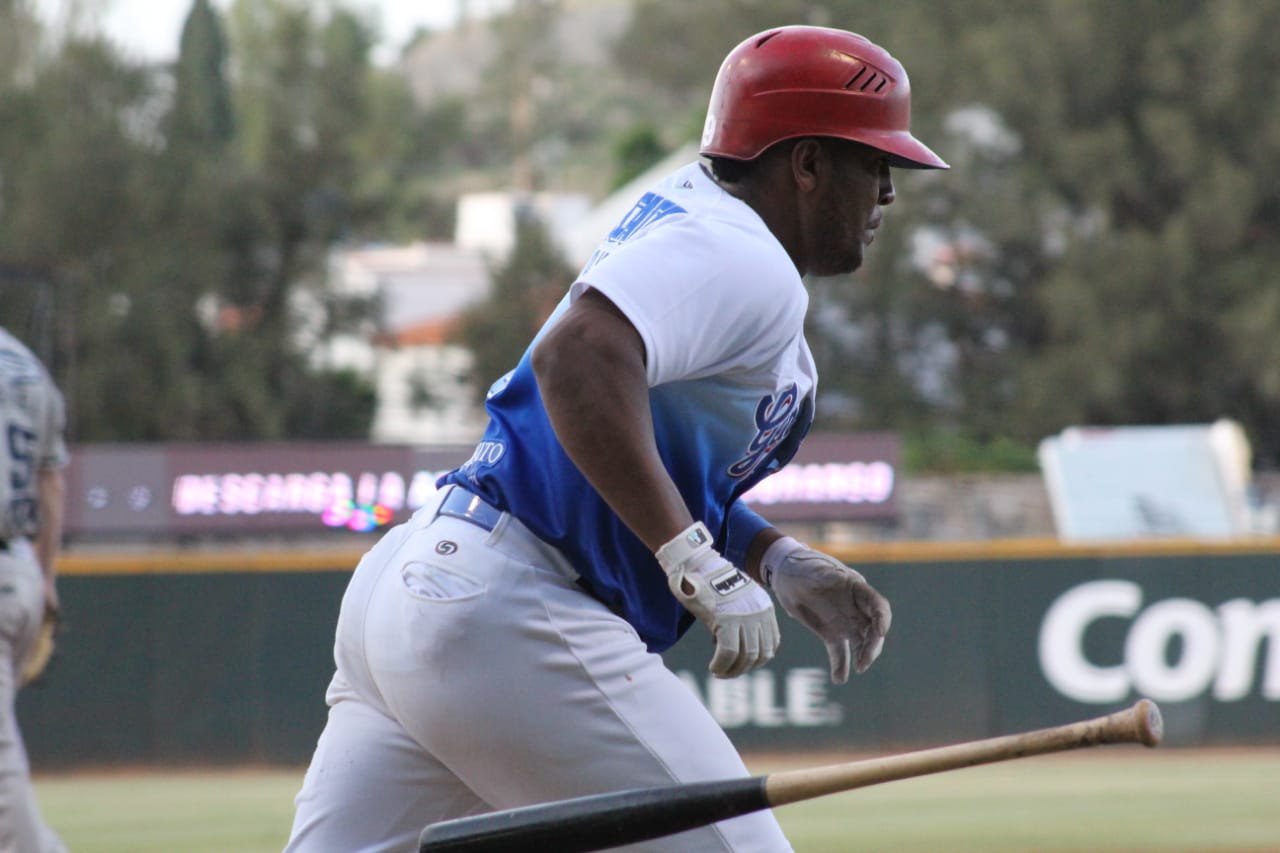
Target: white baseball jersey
x=720, y=308
x=31, y=417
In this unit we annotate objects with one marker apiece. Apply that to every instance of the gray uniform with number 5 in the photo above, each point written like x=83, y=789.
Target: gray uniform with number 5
x=31, y=439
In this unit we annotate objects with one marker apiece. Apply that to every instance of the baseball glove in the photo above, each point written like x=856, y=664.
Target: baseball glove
x=42, y=652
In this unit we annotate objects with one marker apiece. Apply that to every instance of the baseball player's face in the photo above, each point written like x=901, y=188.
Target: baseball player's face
x=851, y=207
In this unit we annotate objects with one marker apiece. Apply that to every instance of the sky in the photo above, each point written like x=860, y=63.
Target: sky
x=149, y=29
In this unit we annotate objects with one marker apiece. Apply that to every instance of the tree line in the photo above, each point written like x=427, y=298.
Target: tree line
x=1099, y=254
x=163, y=230
x=1102, y=252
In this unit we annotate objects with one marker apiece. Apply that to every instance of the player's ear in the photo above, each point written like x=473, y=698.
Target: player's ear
x=808, y=161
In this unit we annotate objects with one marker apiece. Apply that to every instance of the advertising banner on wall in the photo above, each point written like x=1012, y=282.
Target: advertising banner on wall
x=980, y=649
x=834, y=477
x=188, y=489
x=193, y=489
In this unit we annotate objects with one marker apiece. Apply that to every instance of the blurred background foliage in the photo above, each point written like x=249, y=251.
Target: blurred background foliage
x=1101, y=253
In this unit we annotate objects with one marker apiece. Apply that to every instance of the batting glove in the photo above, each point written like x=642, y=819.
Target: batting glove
x=831, y=600
x=735, y=608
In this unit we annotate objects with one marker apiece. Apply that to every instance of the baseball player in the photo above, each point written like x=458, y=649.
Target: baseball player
x=32, y=455
x=501, y=647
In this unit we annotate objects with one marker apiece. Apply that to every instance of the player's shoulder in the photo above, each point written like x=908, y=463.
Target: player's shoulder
x=16, y=361
x=686, y=235
x=697, y=194
x=31, y=387
x=678, y=199
x=709, y=216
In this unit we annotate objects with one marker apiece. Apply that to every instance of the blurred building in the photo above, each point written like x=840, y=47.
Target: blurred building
x=486, y=221
x=418, y=294
x=452, y=63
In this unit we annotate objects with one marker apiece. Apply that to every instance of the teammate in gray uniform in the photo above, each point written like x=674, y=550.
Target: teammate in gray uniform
x=32, y=456
x=501, y=647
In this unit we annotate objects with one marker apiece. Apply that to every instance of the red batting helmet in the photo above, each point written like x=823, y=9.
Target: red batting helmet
x=812, y=81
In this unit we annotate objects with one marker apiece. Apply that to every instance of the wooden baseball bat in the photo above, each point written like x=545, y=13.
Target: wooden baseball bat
x=608, y=820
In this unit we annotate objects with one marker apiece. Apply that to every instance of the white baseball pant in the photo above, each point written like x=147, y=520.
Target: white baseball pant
x=473, y=674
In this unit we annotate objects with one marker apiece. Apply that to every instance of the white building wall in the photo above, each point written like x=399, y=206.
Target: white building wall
x=417, y=286
x=487, y=221
x=449, y=415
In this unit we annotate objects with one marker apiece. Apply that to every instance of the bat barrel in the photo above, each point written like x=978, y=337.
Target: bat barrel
x=595, y=822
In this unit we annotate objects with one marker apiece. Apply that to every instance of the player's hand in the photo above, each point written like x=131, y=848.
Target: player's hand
x=831, y=600
x=735, y=608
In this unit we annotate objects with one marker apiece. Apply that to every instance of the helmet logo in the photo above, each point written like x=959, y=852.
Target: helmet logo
x=709, y=129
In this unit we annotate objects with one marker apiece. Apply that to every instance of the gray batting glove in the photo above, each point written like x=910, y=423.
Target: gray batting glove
x=831, y=600
x=738, y=612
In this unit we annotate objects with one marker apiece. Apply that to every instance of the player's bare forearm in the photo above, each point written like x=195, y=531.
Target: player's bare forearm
x=591, y=375
x=52, y=496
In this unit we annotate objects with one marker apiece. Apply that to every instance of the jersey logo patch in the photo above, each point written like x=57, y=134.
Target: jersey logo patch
x=487, y=453
x=775, y=415
x=648, y=210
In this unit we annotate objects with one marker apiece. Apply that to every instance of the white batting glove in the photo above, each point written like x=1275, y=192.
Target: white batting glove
x=831, y=600
x=735, y=608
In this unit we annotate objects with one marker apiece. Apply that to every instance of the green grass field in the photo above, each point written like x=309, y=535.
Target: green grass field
x=1114, y=799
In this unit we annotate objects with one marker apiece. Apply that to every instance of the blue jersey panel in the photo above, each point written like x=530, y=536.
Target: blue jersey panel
x=520, y=467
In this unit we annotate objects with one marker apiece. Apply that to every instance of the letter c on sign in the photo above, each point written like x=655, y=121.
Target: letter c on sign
x=1062, y=640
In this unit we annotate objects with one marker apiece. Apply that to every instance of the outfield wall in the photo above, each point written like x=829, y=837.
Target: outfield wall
x=223, y=657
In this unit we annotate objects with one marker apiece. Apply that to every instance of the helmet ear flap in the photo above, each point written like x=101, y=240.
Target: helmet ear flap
x=799, y=81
